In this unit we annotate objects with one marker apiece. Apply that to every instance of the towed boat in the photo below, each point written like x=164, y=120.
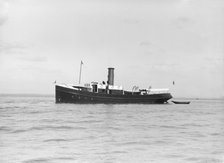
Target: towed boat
x=95, y=92
x=181, y=102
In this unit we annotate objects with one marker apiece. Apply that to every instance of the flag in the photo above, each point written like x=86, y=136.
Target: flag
x=173, y=83
x=81, y=62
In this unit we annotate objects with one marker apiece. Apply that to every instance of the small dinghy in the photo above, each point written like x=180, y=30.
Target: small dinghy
x=181, y=102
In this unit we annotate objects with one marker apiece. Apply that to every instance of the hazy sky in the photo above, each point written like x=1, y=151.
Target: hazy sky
x=149, y=42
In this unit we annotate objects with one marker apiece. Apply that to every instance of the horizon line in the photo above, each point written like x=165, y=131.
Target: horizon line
x=50, y=95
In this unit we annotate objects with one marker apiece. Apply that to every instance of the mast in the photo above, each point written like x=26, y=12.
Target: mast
x=80, y=72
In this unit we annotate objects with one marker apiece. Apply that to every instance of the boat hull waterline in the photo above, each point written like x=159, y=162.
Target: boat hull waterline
x=69, y=95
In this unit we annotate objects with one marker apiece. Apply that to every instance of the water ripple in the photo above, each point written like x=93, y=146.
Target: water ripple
x=37, y=160
x=4, y=128
x=57, y=140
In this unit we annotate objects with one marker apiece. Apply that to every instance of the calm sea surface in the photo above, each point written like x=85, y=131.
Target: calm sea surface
x=33, y=129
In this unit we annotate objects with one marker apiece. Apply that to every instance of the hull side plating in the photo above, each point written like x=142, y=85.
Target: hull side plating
x=68, y=95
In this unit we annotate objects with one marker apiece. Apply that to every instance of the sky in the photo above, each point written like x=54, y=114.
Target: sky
x=148, y=42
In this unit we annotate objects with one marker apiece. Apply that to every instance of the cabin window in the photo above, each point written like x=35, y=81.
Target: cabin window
x=95, y=88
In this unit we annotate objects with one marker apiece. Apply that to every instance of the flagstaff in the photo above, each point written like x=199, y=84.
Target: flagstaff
x=80, y=72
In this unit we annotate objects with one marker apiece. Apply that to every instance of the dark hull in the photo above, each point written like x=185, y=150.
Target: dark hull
x=67, y=95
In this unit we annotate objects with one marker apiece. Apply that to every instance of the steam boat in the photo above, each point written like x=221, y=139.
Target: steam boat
x=95, y=92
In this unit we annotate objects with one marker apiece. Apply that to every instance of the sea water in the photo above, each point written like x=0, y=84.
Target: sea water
x=33, y=129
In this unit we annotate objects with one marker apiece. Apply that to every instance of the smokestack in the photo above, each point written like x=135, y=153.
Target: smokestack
x=110, y=76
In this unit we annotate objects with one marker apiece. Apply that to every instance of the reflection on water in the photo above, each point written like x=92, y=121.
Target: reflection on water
x=35, y=129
